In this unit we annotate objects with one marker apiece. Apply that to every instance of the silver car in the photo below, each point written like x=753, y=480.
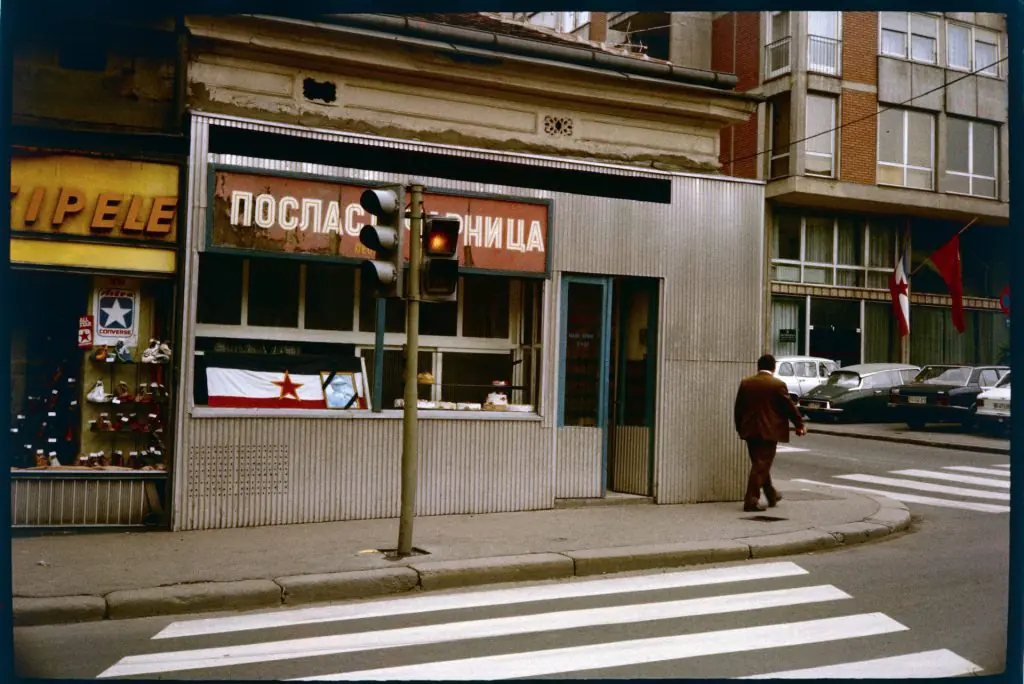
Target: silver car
x=803, y=373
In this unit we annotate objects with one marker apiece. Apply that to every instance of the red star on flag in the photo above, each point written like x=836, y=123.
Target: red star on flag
x=288, y=387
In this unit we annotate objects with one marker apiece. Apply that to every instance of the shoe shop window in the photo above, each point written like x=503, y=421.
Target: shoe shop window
x=91, y=359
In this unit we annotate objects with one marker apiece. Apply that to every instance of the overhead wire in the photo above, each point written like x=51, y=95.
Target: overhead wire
x=866, y=117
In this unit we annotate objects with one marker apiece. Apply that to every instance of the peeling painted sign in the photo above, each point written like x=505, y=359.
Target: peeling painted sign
x=264, y=213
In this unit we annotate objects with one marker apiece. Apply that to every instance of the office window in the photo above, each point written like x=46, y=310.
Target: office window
x=845, y=250
x=778, y=165
x=820, y=146
x=909, y=35
x=971, y=157
x=906, y=148
x=969, y=48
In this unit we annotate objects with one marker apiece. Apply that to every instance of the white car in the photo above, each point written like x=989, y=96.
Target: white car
x=803, y=373
x=993, y=406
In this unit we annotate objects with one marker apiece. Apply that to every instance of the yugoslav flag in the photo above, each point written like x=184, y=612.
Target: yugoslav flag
x=898, y=289
x=271, y=381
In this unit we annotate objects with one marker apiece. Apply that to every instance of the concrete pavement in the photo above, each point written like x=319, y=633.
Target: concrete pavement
x=73, y=578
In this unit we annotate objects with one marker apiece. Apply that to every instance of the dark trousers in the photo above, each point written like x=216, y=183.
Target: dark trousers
x=762, y=454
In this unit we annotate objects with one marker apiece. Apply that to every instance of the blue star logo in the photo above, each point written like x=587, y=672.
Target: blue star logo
x=116, y=312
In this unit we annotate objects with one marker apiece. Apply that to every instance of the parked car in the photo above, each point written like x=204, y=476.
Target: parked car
x=943, y=394
x=859, y=392
x=992, y=407
x=803, y=373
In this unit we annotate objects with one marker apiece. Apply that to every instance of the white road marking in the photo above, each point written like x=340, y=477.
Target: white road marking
x=979, y=471
x=477, y=599
x=926, y=487
x=952, y=477
x=1001, y=465
x=634, y=652
x=915, y=498
x=312, y=647
x=924, y=665
x=786, y=449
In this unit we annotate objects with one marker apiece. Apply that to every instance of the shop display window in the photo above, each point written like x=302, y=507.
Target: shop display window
x=91, y=364
x=484, y=345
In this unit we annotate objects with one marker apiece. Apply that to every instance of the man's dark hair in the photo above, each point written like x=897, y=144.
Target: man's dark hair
x=766, y=362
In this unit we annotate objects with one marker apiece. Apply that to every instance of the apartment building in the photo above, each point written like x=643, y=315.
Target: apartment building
x=881, y=132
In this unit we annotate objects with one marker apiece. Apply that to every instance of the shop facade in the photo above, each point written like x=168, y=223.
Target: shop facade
x=601, y=314
x=94, y=259
x=829, y=280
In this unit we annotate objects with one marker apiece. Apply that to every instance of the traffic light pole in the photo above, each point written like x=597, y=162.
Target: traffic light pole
x=409, y=418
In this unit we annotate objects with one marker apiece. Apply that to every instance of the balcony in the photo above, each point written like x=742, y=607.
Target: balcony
x=777, y=60
x=824, y=55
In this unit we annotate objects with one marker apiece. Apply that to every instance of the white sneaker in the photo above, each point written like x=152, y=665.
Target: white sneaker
x=97, y=395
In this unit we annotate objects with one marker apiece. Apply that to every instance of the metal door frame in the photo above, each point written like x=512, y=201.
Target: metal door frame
x=605, y=282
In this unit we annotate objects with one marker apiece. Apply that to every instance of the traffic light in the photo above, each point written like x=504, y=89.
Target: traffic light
x=440, y=265
x=384, y=274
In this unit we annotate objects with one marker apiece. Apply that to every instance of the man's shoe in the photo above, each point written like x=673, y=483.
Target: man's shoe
x=772, y=503
x=753, y=509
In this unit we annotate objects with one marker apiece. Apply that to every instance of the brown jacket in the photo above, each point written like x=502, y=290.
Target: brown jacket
x=763, y=409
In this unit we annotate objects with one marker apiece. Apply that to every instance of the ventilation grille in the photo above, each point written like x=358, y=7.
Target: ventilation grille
x=558, y=126
x=242, y=470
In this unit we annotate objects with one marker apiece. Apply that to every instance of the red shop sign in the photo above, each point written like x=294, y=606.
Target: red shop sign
x=300, y=216
x=85, y=331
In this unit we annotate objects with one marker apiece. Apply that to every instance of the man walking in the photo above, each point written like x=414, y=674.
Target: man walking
x=762, y=413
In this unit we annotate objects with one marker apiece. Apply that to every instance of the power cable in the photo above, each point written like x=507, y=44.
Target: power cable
x=874, y=114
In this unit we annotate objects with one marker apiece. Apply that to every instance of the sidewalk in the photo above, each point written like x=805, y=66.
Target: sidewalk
x=943, y=436
x=71, y=578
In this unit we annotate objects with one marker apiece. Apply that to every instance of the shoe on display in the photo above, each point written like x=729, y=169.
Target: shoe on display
x=121, y=393
x=149, y=355
x=97, y=394
x=124, y=355
x=101, y=353
x=165, y=349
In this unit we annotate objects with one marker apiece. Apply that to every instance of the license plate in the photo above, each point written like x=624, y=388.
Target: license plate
x=1001, y=406
x=814, y=404
x=917, y=400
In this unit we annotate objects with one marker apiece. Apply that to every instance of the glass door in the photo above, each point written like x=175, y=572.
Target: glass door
x=585, y=352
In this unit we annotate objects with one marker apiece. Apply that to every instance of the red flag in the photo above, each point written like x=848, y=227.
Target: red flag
x=900, y=298
x=947, y=260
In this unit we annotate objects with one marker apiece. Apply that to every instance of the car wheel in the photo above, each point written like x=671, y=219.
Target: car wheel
x=915, y=424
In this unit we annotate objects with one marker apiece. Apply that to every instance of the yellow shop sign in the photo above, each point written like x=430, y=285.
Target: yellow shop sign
x=101, y=198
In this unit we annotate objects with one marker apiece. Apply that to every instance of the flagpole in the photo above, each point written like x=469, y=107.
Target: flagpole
x=927, y=259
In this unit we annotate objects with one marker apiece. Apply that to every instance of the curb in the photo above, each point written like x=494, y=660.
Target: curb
x=979, y=448
x=890, y=518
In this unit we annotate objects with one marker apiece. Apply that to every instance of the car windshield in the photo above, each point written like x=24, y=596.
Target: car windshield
x=944, y=375
x=844, y=379
x=1004, y=382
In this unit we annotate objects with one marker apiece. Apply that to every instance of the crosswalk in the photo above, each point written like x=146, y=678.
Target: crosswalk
x=969, y=488
x=729, y=622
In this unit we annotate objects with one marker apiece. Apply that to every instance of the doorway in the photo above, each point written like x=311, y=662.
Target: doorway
x=609, y=334
x=835, y=330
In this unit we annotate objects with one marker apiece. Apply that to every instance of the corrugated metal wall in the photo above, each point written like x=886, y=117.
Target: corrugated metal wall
x=630, y=463
x=269, y=471
x=706, y=247
x=579, y=463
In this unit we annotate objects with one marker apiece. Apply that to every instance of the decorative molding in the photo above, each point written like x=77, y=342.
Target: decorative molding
x=925, y=299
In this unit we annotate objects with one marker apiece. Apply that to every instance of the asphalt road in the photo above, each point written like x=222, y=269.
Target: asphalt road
x=934, y=597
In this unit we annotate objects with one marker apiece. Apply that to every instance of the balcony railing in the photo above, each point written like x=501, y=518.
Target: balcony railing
x=823, y=55
x=777, y=58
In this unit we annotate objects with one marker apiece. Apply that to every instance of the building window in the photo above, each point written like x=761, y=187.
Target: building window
x=841, y=251
x=909, y=36
x=779, y=120
x=777, y=40
x=285, y=306
x=820, y=146
x=971, y=157
x=823, y=46
x=969, y=48
x=906, y=148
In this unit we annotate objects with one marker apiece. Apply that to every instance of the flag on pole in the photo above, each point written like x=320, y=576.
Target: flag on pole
x=898, y=289
x=947, y=261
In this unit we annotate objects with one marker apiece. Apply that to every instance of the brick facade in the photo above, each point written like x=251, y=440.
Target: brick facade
x=735, y=48
x=858, y=141
x=860, y=47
